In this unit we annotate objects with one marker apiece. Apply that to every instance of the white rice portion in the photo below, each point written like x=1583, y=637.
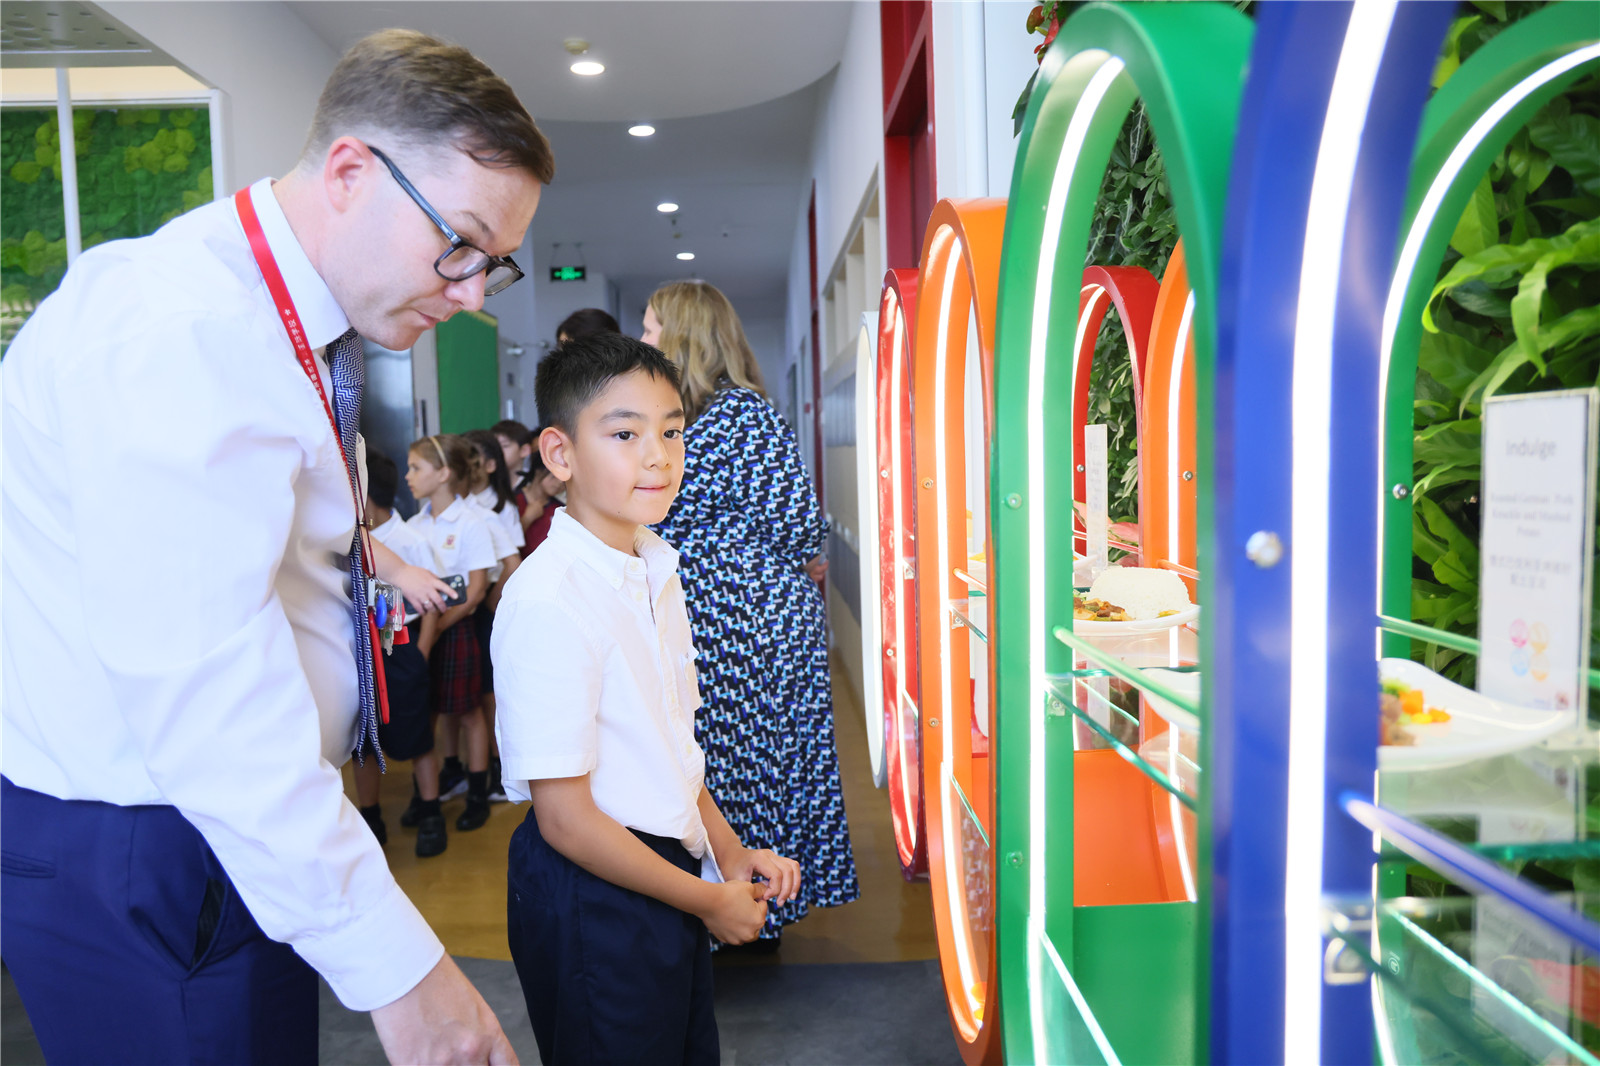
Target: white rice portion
x=1142, y=591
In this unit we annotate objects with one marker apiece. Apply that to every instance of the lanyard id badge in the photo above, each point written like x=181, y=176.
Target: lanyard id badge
x=268, y=265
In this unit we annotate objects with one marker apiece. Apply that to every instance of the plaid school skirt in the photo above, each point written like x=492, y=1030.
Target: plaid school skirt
x=455, y=670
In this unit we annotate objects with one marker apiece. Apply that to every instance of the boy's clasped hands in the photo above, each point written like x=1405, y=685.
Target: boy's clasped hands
x=741, y=900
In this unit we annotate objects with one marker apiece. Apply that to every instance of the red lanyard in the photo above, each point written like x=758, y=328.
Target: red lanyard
x=297, y=336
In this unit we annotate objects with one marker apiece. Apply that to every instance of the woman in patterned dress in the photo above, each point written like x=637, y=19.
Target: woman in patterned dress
x=748, y=528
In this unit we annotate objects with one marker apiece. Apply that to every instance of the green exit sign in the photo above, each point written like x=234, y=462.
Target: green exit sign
x=568, y=273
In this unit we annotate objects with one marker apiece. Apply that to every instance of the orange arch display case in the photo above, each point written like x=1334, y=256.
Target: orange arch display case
x=897, y=588
x=951, y=398
x=1168, y=476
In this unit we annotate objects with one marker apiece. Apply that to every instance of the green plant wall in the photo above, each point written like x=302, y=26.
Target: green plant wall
x=137, y=169
x=1516, y=309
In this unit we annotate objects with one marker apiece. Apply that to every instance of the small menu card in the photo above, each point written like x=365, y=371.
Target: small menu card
x=1538, y=518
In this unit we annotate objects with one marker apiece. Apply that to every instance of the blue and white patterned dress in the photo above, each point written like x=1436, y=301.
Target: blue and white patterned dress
x=746, y=522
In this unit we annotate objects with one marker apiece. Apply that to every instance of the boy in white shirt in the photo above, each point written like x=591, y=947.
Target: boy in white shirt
x=624, y=862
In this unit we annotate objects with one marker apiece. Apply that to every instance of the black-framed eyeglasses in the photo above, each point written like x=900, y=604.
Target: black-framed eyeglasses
x=462, y=259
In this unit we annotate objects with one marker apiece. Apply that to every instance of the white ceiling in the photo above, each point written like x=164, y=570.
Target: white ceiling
x=730, y=85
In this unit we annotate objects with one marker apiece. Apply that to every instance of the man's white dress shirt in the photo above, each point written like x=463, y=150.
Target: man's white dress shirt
x=594, y=674
x=176, y=599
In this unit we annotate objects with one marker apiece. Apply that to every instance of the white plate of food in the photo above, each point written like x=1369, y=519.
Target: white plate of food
x=1132, y=599
x=1477, y=727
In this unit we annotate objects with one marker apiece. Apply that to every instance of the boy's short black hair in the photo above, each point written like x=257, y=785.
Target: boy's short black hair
x=382, y=480
x=569, y=378
x=583, y=322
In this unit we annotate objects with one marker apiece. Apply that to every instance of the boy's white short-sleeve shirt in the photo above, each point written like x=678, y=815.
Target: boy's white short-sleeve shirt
x=594, y=674
x=459, y=537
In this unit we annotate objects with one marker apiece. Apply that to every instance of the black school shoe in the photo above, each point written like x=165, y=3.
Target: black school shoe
x=374, y=819
x=452, y=779
x=431, y=836
x=412, y=815
x=497, y=791
x=476, y=814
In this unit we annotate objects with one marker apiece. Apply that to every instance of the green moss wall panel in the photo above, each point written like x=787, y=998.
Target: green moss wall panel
x=469, y=372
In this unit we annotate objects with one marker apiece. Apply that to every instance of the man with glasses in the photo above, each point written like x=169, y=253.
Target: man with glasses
x=182, y=686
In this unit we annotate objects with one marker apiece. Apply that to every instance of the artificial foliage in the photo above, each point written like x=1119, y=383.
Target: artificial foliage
x=137, y=169
x=1516, y=309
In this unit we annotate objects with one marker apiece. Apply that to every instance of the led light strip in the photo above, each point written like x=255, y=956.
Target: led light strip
x=1094, y=94
x=947, y=244
x=898, y=356
x=1180, y=354
x=1349, y=101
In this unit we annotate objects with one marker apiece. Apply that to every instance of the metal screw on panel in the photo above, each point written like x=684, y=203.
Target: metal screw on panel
x=1014, y=858
x=1057, y=707
x=1401, y=491
x=883, y=473
x=1014, y=501
x=1188, y=475
x=1080, y=468
x=888, y=653
x=1264, y=549
x=934, y=722
x=927, y=482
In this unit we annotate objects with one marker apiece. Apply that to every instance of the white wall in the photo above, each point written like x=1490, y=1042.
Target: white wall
x=846, y=150
x=268, y=62
x=982, y=57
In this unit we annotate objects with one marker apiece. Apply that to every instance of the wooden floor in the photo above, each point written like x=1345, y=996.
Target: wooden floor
x=462, y=893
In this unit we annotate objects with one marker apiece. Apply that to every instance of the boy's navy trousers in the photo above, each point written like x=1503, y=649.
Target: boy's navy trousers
x=129, y=944
x=610, y=976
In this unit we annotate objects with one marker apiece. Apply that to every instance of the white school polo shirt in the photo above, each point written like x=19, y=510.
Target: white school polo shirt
x=594, y=674
x=459, y=538
x=499, y=537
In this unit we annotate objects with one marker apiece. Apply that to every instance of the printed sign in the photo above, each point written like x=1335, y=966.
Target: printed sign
x=1097, y=498
x=1538, y=537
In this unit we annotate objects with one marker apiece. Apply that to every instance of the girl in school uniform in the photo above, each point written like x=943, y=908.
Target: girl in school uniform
x=439, y=471
x=491, y=494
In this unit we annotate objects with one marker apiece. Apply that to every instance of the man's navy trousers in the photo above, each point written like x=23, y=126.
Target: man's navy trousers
x=129, y=944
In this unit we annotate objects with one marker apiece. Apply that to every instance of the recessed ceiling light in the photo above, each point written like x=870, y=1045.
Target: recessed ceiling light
x=666, y=207
x=588, y=68
x=643, y=129
x=686, y=256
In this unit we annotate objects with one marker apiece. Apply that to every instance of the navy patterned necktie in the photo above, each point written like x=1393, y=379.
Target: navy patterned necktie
x=347, y=367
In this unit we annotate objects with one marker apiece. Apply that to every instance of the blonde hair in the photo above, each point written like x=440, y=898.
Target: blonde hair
x=701, y=333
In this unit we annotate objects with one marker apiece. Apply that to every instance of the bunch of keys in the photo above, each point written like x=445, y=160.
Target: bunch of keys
x=388, y=611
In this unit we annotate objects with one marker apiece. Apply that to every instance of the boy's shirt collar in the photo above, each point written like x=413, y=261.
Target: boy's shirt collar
x=659, y=559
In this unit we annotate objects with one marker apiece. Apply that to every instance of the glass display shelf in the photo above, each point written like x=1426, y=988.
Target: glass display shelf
x=1168, y=759
x=1539, y=808
x=971, y=615
x=1474, y=979
x=977, y=865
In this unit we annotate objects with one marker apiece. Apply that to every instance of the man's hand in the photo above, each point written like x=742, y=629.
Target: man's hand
x=442, y=1020
x=817, y=569
x=782, y=875
x=736, y=913
x=421, y=589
